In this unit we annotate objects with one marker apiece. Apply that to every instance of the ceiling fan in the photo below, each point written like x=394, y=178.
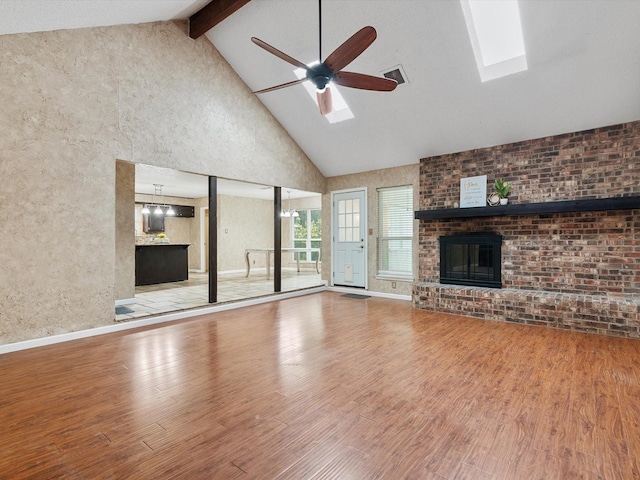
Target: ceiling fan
x=331, y=69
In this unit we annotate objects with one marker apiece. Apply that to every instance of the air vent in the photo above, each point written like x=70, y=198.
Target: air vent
x=396, y=73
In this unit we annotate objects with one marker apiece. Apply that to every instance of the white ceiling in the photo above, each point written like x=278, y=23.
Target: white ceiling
x=584, y=72
x=584, y=69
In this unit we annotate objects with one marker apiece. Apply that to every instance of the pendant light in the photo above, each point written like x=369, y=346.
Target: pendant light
x=290, y=212
x=161, y=208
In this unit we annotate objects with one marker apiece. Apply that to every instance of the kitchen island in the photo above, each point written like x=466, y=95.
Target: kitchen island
x=161, y=263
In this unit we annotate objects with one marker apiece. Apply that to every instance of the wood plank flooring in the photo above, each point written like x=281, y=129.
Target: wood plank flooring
x=324, y=387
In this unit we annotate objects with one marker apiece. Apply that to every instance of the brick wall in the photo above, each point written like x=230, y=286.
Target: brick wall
x=587, y=253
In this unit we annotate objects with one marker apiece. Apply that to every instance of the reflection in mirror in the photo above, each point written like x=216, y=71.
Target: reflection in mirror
x=171, y=251
x=301, y=239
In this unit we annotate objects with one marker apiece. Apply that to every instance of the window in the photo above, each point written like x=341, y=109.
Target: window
x=495, y=31
x=395, y=232
x=349, y=220
x=307, y=233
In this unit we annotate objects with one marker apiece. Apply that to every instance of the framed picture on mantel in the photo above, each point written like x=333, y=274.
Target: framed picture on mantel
x=473, y=191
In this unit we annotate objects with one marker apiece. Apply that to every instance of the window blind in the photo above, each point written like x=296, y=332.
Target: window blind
x=395, y=231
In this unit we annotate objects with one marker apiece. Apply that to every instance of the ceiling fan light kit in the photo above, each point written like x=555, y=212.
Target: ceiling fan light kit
x=330, y=71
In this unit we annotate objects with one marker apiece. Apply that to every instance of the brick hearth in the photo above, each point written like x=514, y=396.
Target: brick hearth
x=602, y=314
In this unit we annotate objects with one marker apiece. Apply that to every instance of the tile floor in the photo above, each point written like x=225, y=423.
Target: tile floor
x=194, y=292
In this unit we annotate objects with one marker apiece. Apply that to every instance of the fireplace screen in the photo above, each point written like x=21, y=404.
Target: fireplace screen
x=471, y=259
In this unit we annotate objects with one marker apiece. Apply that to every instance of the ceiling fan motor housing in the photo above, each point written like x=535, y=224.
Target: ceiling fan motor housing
x=320, y=75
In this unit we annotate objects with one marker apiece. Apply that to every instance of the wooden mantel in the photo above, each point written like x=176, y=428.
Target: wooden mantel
x=584, y=205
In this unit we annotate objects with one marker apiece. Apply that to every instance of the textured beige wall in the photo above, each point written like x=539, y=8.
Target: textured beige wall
x=389, y=177
x=57, y=162
x=125, y=231
x=243, y=223
x=183, y=107
x=74, y=101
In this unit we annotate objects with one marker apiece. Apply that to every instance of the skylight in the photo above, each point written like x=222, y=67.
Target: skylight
x=495, y=32
x=340, y=110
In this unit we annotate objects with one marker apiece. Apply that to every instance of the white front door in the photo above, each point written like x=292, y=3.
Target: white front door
x=348, y=231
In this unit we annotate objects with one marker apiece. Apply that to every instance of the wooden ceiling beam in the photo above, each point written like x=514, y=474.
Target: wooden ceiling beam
x=212, y=14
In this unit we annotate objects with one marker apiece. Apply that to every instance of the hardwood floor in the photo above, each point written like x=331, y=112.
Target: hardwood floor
x=324, y=387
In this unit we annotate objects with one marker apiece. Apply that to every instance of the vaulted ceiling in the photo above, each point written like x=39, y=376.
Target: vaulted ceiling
x=583, y=69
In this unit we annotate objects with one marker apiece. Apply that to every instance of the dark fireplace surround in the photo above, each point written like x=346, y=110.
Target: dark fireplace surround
x=472, y=259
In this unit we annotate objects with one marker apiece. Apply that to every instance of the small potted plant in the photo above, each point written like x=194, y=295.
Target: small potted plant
x=502, y=188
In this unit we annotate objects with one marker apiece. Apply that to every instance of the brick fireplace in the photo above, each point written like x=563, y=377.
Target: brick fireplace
x=577, y=270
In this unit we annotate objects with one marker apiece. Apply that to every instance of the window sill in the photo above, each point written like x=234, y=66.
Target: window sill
x=394, y=278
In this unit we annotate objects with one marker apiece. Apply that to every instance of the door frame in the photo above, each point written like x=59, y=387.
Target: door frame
x=203, y=232
x=365, y=218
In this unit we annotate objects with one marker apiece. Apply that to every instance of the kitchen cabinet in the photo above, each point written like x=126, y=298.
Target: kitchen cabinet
x=153, y=223
x=183, y=211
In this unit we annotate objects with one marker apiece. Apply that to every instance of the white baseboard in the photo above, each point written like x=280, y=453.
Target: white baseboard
x=253, y=269
x=126, y=301
x=117, y=327
x=199, y=270
x=362, y=291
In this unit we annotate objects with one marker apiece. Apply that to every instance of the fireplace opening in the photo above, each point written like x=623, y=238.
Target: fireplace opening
x=471, y=259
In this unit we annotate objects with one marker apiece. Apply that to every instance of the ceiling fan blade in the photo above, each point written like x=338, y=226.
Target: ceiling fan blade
x=325, y=101
x=349, y=50
x=278, y=53
x=278, y=87
x=365, y=82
